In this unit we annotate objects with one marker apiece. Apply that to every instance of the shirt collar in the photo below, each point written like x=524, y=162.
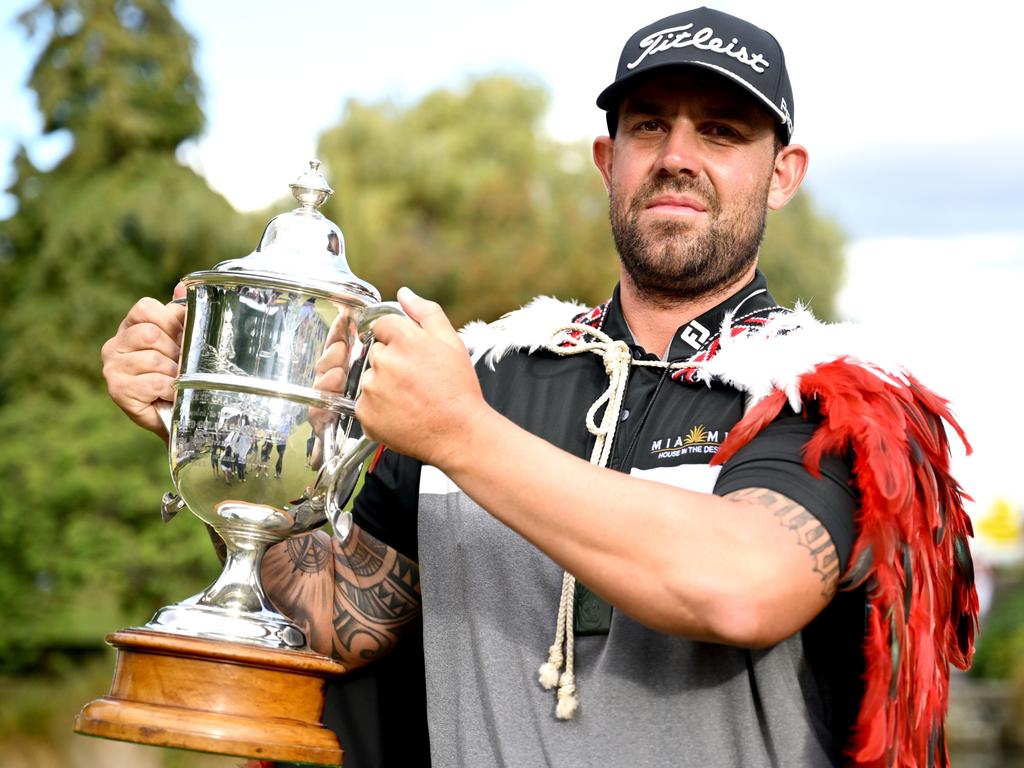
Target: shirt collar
x=689, y=338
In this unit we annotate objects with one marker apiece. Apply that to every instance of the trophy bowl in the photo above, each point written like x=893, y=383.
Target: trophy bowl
x=264, y=445
x=259, y=449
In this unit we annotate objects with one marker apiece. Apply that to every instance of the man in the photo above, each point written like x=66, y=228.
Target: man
x=705, y=628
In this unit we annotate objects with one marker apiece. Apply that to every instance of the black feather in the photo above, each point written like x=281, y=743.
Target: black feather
x=857, y=571
x=894, y=646
x=963, y=558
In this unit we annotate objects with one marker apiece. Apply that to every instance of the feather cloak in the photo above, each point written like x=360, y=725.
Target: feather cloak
x=911, y=547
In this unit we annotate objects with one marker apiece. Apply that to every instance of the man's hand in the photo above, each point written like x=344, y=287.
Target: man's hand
x=421, y=394
x=141, y=360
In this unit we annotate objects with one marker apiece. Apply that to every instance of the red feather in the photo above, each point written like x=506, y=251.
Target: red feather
x=757, y=418
x=911, y=550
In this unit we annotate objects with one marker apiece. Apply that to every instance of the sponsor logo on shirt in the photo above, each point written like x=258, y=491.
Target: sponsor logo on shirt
x=698, y=441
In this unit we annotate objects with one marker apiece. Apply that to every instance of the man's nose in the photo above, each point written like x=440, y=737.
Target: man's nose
x=680, y=153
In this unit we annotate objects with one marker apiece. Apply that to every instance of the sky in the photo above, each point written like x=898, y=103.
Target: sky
x=909, y=111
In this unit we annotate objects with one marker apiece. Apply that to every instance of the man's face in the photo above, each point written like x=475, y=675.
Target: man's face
x=689, y=175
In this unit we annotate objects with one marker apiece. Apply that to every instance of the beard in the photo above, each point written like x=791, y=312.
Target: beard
x=672, y=260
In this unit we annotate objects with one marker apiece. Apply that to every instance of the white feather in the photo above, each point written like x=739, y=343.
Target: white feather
x=775, y=356
x=770, y=357
x=529, y=328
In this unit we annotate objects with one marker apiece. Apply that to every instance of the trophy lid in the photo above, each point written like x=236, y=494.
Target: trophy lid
x=301, y=248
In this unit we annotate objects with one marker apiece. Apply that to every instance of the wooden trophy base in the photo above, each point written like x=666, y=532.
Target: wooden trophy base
x=215, y=696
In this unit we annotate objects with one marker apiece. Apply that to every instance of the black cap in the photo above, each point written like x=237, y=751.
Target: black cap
x=704, y=37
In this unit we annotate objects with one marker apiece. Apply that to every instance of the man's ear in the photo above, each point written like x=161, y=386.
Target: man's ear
x=790, y=169
x=604, y=149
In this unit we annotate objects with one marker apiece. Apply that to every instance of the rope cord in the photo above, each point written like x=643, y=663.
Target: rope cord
x=573, y=339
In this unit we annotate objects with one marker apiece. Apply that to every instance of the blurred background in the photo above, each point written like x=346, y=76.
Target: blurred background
x=140, y=140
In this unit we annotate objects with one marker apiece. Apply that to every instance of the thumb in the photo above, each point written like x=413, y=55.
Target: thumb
x=179, y=291
x=428, y=314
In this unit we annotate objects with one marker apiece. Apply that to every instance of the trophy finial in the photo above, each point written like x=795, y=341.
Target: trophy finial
x=311, y=188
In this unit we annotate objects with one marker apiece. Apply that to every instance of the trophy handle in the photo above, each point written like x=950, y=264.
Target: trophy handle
x=172, y=503
x=350, y=456
x=344, y=477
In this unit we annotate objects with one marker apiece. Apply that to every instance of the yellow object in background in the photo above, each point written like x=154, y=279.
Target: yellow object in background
x=999, y=532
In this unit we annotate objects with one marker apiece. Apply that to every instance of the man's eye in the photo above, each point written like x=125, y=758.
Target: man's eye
x=648, y=126
x=720, y=130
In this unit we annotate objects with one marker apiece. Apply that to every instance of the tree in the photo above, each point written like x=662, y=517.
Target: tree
x=116, y=219
x=802, y=257
x=463, y=198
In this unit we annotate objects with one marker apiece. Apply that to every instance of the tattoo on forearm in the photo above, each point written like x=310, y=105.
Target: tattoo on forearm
x=376, y=595
x=368, y=557
x=356, y=598
x=309, y=554
x=810, y=533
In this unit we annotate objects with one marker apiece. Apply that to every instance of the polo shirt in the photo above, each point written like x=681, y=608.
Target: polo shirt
x=800, y=699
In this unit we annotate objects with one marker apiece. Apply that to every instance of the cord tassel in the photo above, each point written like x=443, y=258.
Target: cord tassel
x=571, y=340
x=548, y=674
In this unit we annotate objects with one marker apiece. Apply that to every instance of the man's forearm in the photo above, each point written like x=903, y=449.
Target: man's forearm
x=733, y=570
x=354, y=600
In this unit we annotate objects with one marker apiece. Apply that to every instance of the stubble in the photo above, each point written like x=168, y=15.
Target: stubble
x=671, y=260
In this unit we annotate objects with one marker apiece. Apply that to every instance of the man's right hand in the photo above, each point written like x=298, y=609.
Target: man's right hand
x=141, y=361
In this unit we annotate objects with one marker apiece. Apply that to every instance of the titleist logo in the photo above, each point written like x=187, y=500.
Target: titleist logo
x=681, y=37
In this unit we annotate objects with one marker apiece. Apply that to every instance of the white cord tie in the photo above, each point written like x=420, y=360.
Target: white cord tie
x=567, y=340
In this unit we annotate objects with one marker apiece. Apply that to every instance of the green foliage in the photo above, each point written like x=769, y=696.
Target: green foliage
x=117, y=219
x=802, y=257
x=461, y=197
x=117, y=74
x=86, y=246
x=1000, y=651
x=83, y=541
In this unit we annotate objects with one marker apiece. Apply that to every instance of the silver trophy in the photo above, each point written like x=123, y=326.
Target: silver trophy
x=264, y=445
x=259, y=451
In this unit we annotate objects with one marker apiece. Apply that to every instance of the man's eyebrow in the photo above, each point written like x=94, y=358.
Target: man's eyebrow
x=723, y=111
x=731, y=111
x=639, y=107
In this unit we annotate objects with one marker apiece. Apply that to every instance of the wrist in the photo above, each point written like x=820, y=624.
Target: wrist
x=471, y=440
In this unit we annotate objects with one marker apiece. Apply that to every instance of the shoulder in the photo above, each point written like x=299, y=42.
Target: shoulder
x=777, y=354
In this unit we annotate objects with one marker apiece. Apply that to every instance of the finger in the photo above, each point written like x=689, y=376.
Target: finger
x=177, y=310
x=179, y=291
x=142, y=362
x=389, y=328
x=335, y=356
x=147, y=310
x=428, y=314
x=373, y=355
x=147, y=336
x=137, y=394
x=333, y=380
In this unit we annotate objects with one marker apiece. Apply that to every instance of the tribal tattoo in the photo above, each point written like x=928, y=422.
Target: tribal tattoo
x=309, y=554
x=357, y=597
x=810, y=533
x=376, y=596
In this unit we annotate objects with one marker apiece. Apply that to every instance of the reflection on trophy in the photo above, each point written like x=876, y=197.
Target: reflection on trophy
x=258, y=454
